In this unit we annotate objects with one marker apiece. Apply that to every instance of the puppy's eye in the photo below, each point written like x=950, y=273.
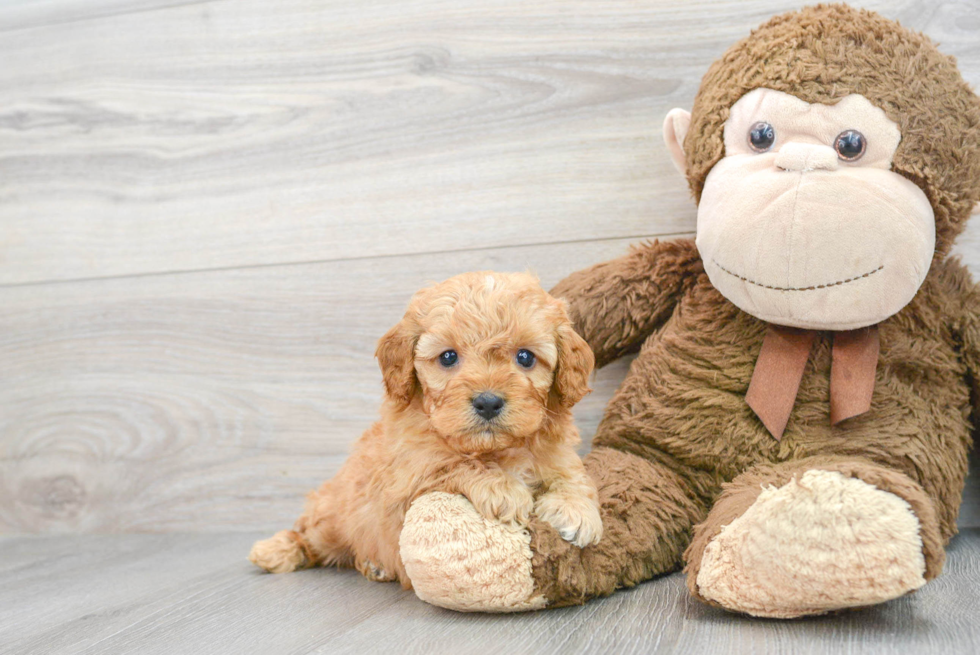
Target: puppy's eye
x=525, y=358
x=850, y=145
x=448, y=358
x=761, y=136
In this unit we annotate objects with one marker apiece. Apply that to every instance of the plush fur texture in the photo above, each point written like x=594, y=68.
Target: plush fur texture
x=823, y=541
x=741, y=495
x=495, y=555
x=682, y=406
x=796, y=236
x=431, y=438
x=679, y=454
x=824, y=53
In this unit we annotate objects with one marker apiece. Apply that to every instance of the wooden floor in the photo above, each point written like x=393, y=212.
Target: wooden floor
x=174, y=593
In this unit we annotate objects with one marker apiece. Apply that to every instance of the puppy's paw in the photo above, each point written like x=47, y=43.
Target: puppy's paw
x=374, y=572
x=575, y=516
x=507, y=500
x=280, y=553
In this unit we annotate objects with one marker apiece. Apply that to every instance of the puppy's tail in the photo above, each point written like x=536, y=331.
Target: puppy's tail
x=284, y=552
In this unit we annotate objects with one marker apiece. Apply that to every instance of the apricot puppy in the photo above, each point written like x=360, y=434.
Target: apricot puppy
x=480, y=377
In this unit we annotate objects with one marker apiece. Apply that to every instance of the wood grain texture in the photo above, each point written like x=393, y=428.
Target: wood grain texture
x=153, y=594
x=223, y=134
x=209, y=211
x=967, y=246
x=210, y=401
x=25, y=14
x=214, y=401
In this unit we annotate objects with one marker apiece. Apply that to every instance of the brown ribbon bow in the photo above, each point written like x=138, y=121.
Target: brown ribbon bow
x=779, y=370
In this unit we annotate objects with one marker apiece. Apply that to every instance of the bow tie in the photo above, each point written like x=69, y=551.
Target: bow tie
x=779, y=370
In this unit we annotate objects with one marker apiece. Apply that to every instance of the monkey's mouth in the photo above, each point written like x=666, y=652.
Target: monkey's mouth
x=809, y=288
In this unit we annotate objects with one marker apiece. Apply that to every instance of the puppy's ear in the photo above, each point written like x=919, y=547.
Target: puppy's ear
x=575, y=363
x=396, y=356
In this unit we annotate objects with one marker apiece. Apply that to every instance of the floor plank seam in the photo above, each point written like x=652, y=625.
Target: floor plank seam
x=102, y=16
x=315, y=262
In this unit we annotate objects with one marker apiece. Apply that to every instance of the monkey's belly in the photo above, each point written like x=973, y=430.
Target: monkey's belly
x=683, y=402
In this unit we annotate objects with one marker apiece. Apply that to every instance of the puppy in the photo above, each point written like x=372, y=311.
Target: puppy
x=480, y=377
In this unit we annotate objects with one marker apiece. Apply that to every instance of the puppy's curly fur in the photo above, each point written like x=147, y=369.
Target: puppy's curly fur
x=431, y=437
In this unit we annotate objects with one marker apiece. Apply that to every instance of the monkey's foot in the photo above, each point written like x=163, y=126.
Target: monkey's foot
x=819, y=543
x=460, y=560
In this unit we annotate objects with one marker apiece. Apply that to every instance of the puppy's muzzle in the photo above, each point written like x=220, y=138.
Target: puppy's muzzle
x=488, y=405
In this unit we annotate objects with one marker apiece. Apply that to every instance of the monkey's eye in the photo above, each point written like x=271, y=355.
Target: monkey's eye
x=448, y=358
x=761, y=136
x=850, y=145
x=525, y=358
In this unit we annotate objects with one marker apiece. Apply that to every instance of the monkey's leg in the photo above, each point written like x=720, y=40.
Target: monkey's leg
x=459, y=560
x=813, y=536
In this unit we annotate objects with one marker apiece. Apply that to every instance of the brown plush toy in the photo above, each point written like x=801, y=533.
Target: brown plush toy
x=795, y=429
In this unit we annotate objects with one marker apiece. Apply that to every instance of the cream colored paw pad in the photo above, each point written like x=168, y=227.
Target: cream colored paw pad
x=459, y=560
x=820, y=543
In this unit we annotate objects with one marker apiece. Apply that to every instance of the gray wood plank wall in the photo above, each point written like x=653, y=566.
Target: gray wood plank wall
x=209, y=211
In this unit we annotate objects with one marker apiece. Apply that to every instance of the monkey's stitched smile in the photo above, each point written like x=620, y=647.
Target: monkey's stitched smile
x=810, y=288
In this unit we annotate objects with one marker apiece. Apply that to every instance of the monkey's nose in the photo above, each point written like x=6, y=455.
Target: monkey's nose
x=488, y=405
x=804, y=157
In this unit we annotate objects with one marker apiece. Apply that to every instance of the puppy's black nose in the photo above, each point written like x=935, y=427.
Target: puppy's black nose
x=488, y=405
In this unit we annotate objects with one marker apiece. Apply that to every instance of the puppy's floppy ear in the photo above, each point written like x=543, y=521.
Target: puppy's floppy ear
x=396, y=356
x=575, y=363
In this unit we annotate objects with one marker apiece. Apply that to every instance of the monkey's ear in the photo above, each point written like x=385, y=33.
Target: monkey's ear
x=396, y=356
x=574, y=366
x=675, y=129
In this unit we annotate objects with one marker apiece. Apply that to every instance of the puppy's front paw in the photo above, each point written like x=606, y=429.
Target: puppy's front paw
x=508, y=501
x=575, y=516
x=374, y=572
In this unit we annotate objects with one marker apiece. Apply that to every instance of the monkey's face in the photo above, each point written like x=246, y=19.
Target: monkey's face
x=803, y=223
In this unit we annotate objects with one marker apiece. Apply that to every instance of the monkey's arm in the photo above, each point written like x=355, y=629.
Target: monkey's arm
x=616, y=305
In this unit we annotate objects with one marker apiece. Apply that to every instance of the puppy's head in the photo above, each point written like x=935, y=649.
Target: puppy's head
x=487, y=357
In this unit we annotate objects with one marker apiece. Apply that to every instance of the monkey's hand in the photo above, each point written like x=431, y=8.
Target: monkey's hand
x=616, y=305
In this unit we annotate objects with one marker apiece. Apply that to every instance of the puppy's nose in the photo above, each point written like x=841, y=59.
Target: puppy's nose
x=488, y=405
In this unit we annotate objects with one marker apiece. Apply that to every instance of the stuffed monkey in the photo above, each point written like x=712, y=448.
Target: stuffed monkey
x=794, y=431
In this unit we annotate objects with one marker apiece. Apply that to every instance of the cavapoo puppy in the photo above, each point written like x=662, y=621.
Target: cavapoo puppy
x=480, y=377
